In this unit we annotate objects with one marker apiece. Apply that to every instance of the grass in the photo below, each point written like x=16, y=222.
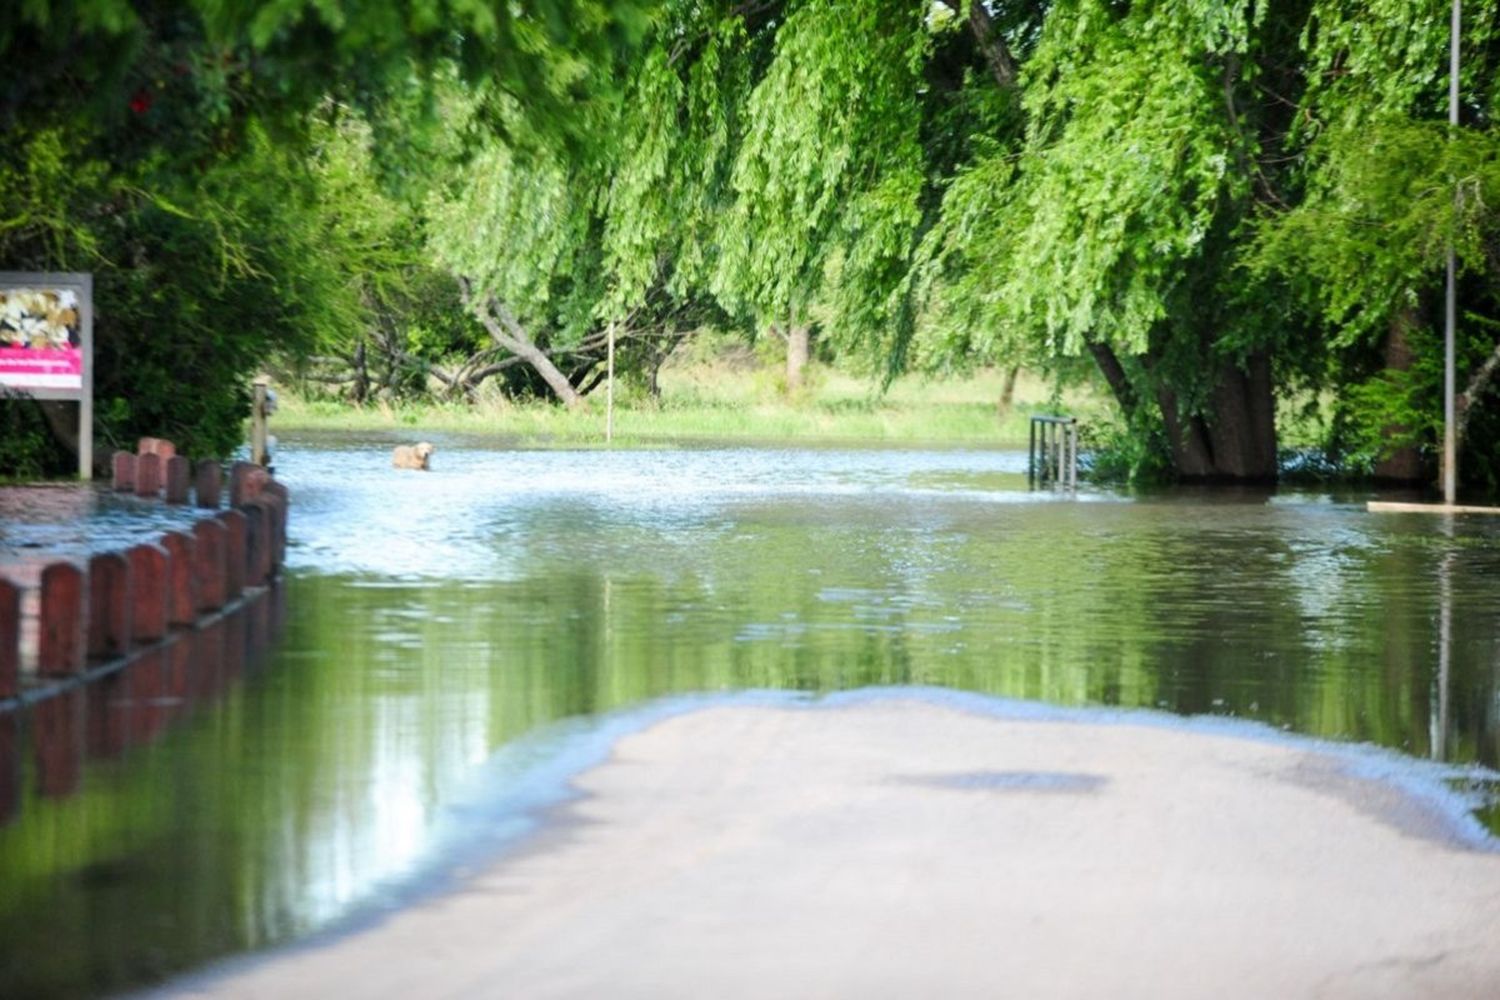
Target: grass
x=711, y=400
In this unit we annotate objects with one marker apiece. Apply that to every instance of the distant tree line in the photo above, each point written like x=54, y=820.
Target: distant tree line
x=1219, y=211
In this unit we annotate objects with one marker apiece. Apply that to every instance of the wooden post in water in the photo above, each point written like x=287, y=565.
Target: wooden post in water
x=259, y=437
x=609, y=406
x=1031, y=452
x=1052, y=451
x=1073, y=465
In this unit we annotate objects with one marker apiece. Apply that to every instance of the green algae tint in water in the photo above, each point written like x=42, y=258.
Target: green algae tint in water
x=433, y=620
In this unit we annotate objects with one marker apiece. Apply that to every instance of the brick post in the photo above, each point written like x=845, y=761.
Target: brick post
x=257, y=542
x=160, y=447
x=61, y=647
x=209, y=564
x=234, y=553
x=275, y=520
x=109, y=606
x=246, y=480
x=208, y=483
x=179, y=472
x=182, y=601
x=149, y=586
x=10, y=639
x=283, y=514
x=123, y=466
x=147, y=475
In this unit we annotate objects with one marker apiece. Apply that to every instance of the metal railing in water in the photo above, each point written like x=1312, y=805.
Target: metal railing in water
x=1053, y=453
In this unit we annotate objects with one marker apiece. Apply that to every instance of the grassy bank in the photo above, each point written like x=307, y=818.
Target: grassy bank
x=709, y=402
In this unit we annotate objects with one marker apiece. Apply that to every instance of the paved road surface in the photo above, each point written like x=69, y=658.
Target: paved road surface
x=897, y=848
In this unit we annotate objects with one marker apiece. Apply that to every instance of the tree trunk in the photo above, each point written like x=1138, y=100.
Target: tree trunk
x=1114, y=374
x=997, y=55
x=1192, y=456
x=1235, y=442
x=1404, y=464
x=1477, y=387
x=1008, y=390
x=361, y=390
x=798, y=350
x=556, y=380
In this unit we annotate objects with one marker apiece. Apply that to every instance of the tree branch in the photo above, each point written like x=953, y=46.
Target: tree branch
x=1476, y=387
x=991, y=44
x=508, y=332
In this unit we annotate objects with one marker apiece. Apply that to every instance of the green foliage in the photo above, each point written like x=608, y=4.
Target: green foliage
x=680, y=125
x=835, y=116
x=26, y=447
x=43, y=190
x=1065, y=244
x=1191, y=194
x=1386, y=187
x=1121, y=454
x=275, y=281
x=1372, y=235
x=519, y=229
x=201, y=159
x=1384, y=61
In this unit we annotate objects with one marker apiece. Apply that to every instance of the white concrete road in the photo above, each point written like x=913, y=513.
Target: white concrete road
x=896, y=848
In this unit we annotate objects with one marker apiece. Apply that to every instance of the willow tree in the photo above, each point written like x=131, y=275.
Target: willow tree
x=556, y=241
x=1030, y=180
x=835, y=110
x=1225, y=203
x=1110, y=228
x=1386, y=188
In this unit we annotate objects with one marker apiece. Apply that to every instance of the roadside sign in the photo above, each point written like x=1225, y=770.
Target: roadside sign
x=47, y=345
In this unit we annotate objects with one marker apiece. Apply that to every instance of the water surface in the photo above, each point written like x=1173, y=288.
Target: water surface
x=450, y=636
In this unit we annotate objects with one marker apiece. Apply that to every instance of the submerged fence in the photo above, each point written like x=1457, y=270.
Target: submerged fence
x=1053, y=453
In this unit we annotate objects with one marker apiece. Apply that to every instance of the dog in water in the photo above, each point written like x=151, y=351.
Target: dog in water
x=412, y=456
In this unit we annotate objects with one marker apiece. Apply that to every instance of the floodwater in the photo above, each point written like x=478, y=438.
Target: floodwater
x=451, y=645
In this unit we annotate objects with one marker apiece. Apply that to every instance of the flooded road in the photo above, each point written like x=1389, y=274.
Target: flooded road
x=458, y=642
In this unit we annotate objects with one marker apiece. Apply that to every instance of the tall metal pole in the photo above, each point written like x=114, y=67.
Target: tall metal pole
x=1450, y=417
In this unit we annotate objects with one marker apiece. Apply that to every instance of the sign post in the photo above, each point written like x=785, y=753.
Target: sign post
x=47, y=345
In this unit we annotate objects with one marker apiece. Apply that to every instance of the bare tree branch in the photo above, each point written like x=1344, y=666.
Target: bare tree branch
x=1476, y=387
